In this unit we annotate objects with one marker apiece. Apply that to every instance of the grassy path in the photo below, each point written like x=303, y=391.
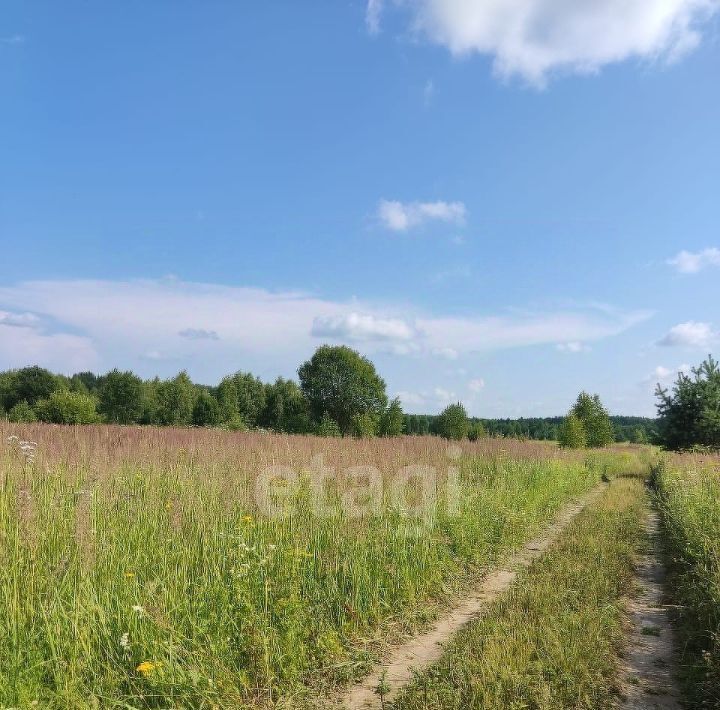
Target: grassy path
x=422, y=651
x=650, y=661
x=554, y=639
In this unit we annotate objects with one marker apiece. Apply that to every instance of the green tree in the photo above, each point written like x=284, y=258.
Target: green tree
x=595, y=419
x=22, y=413
x=66, y=407
x=175, y=400
x=30, y=384
x=121, y=397
x=689, y=416
x=476, y=431
x=365, y=425
x=206, y=410
x=453, y=422
x=241, y=395
x=339, y=382
x=392, y=420
x=572, y=433
x=286, y=408
x=327, y=426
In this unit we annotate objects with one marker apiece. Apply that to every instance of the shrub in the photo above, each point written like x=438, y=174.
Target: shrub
x=22, y=413
x=453, y=422
x=65, y=407
x=572, y=433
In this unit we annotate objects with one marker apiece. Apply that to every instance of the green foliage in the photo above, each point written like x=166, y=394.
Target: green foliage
x=206, y=411
x=66, y=407
x=175, y=400
x=286, y=408
x=235, y=423
x=572, y=433
x=688, y=494
x=241, y=395
x=690, y=414
x=392, y=420
x=365, y=426
x=327, y=426
x=339, y=382
x=22, y=413
x=595, y=420
x=121, y=397
x=453, y=422
x=30, y=384
x=476, y=431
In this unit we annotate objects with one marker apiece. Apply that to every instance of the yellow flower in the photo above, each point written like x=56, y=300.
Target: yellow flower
x=129, y=575
x=247, y=519
x=147, y=667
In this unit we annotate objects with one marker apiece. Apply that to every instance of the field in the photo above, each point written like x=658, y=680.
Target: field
x=688, y=492
x=140, y=568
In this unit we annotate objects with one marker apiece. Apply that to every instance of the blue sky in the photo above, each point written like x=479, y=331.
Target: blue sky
x=500, y=203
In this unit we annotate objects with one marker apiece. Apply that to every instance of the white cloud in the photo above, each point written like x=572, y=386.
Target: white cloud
x=533, y=38
x=476, y=385
x=372, y=16
x=411, y=399
x=690, y=334
x=664, y=375
x=447, y=353
x=112, y=323
x=22, y=320
x=573, y=347
x=401, y=216
x=443, y=396
x=474, y=334
x=60, y=352
x=198, y=334
x=357, y=326
x=687, y=262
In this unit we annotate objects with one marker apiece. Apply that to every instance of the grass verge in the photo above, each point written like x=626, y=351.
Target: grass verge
x=554, y=640
x=688, y=493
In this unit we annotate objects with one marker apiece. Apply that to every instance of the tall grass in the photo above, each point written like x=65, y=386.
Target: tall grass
x=554, y=640
x=689, y=496
x=137, y=571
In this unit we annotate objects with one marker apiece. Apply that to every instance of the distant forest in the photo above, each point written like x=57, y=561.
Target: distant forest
x=359, y=407
x=638, y=430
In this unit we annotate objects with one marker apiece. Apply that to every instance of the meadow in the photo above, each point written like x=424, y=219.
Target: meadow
x=140, y=567
x=688, y=494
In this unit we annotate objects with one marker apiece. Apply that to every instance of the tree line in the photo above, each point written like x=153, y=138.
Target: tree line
x=636, y=430
x=339, y=393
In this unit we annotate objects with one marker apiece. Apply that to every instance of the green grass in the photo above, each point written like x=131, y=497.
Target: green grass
x=136, y=572
x=554, y=640
x=689, y=497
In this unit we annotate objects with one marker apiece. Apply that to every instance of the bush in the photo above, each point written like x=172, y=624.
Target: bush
x=206, y=411
x=65, y=407
x=572, y=433
x=327, y=426
x=453, y=422
x=392, y=420
x=22, y=413
x=364, y=426
x=476, y=431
